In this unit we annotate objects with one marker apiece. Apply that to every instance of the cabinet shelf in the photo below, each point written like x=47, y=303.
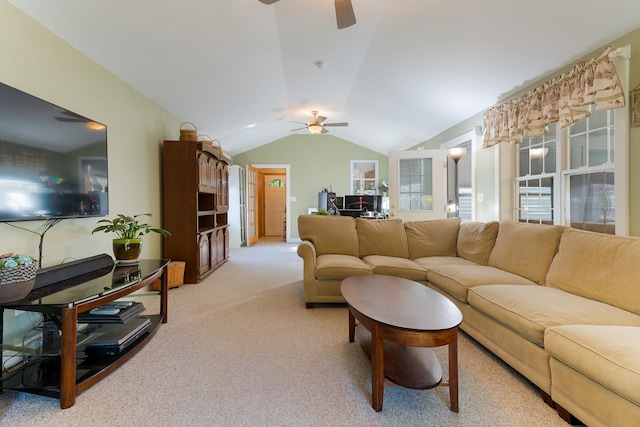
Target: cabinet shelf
x=41, y=373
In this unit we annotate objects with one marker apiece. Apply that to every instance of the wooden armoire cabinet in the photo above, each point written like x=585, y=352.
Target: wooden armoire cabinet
x=195, y=206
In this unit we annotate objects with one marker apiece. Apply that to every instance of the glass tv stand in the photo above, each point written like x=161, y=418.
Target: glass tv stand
x=50, y=359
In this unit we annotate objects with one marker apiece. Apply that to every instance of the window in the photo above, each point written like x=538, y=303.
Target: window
x=416, y=186
x=364, y=177
x=590, y=177
x=584, y=172
x=536, y=177
x=575, y=176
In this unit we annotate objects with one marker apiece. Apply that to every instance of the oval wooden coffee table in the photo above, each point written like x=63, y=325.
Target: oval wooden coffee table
x=402, y=319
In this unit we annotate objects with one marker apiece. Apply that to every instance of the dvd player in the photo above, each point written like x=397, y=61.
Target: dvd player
x=111, y=340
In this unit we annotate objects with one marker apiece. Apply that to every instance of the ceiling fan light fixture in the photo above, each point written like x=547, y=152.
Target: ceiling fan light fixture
x=95, y=125
x=315, y=128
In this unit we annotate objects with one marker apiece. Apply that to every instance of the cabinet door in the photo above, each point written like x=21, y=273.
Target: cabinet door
x=203, y=172
x=214, y=249
x=220, y=250
x=203, y=245
x=224, y=185
x=212, y=166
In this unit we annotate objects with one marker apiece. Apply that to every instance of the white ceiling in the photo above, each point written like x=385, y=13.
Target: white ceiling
x=408, y=69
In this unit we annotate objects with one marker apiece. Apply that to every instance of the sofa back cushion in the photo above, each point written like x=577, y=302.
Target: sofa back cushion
x=435, y=237
x=382, y=237
x=476, y=241
x=525, y=249
x=329, y=234
x=597, y=266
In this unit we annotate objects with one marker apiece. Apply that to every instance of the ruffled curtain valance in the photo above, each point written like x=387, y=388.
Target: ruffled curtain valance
x=563, y=99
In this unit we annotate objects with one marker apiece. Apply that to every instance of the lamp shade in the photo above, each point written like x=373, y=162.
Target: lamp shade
x=456, y=153
x=538, y=153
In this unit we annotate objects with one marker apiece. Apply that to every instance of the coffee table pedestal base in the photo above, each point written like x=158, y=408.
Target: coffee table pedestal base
x=406, y=361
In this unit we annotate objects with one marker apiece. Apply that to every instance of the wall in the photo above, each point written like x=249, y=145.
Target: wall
x=316, y=161
x=36, y=61
x=486, y=158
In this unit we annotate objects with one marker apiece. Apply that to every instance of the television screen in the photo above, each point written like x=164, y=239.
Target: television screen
x=53, y=162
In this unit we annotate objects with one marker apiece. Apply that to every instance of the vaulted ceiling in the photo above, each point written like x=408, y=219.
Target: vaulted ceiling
x=407, y=70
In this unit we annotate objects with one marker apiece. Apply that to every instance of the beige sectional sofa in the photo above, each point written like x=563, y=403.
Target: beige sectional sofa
x=561, y=306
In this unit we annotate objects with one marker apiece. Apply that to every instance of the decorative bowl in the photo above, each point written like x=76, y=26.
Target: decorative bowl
x=16, y=290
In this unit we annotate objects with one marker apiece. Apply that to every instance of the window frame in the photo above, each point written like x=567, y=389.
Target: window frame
x=563, y=173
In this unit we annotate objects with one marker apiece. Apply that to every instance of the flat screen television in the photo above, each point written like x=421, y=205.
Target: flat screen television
x=53, y=162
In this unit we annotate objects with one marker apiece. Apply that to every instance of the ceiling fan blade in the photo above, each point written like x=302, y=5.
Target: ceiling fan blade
x=344, y=14
x=337, y=124
x=268, y=1
x=293, y=130
x=324, y=131
x=74, y=115
x=69, y=119
x=320, y=119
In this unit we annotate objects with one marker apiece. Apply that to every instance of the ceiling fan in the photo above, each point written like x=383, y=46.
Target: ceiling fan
x=344, y=12
x=317, y=125
x=71, y=117
x=77, y=118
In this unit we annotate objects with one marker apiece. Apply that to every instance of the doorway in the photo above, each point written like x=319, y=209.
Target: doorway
x=275, y=205
x=270, y=188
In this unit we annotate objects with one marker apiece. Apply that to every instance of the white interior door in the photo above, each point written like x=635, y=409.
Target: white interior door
x=417, y=184
x=252, y=205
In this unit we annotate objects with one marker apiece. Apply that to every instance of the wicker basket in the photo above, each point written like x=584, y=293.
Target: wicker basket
x=186, y=134
x=215, y=144
x=20, y=273
x=175, y=275
x=205, y=139
x=16, y=282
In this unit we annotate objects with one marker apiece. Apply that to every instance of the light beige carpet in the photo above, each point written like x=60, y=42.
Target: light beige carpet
x=240, y=349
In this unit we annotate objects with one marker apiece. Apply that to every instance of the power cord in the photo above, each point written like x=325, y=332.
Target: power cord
x=50, y=223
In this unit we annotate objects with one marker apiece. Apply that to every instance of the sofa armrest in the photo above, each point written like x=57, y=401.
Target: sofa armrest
x=307, y=252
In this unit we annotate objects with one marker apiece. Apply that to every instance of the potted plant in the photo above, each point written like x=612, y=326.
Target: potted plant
x=129, y=229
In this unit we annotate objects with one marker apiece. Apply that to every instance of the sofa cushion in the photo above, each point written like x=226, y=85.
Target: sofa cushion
x=476, y=240
x=598, y=266
x=606, y=354
x=529, y=310
x=338, y=267
x=394, y=266
x=436, y=261
x=329, y=234
x=457, y=279
x=525, y=249
x=432, y=238
x=382, y=237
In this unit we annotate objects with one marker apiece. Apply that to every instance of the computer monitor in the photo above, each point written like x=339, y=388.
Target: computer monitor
x=364, y=203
